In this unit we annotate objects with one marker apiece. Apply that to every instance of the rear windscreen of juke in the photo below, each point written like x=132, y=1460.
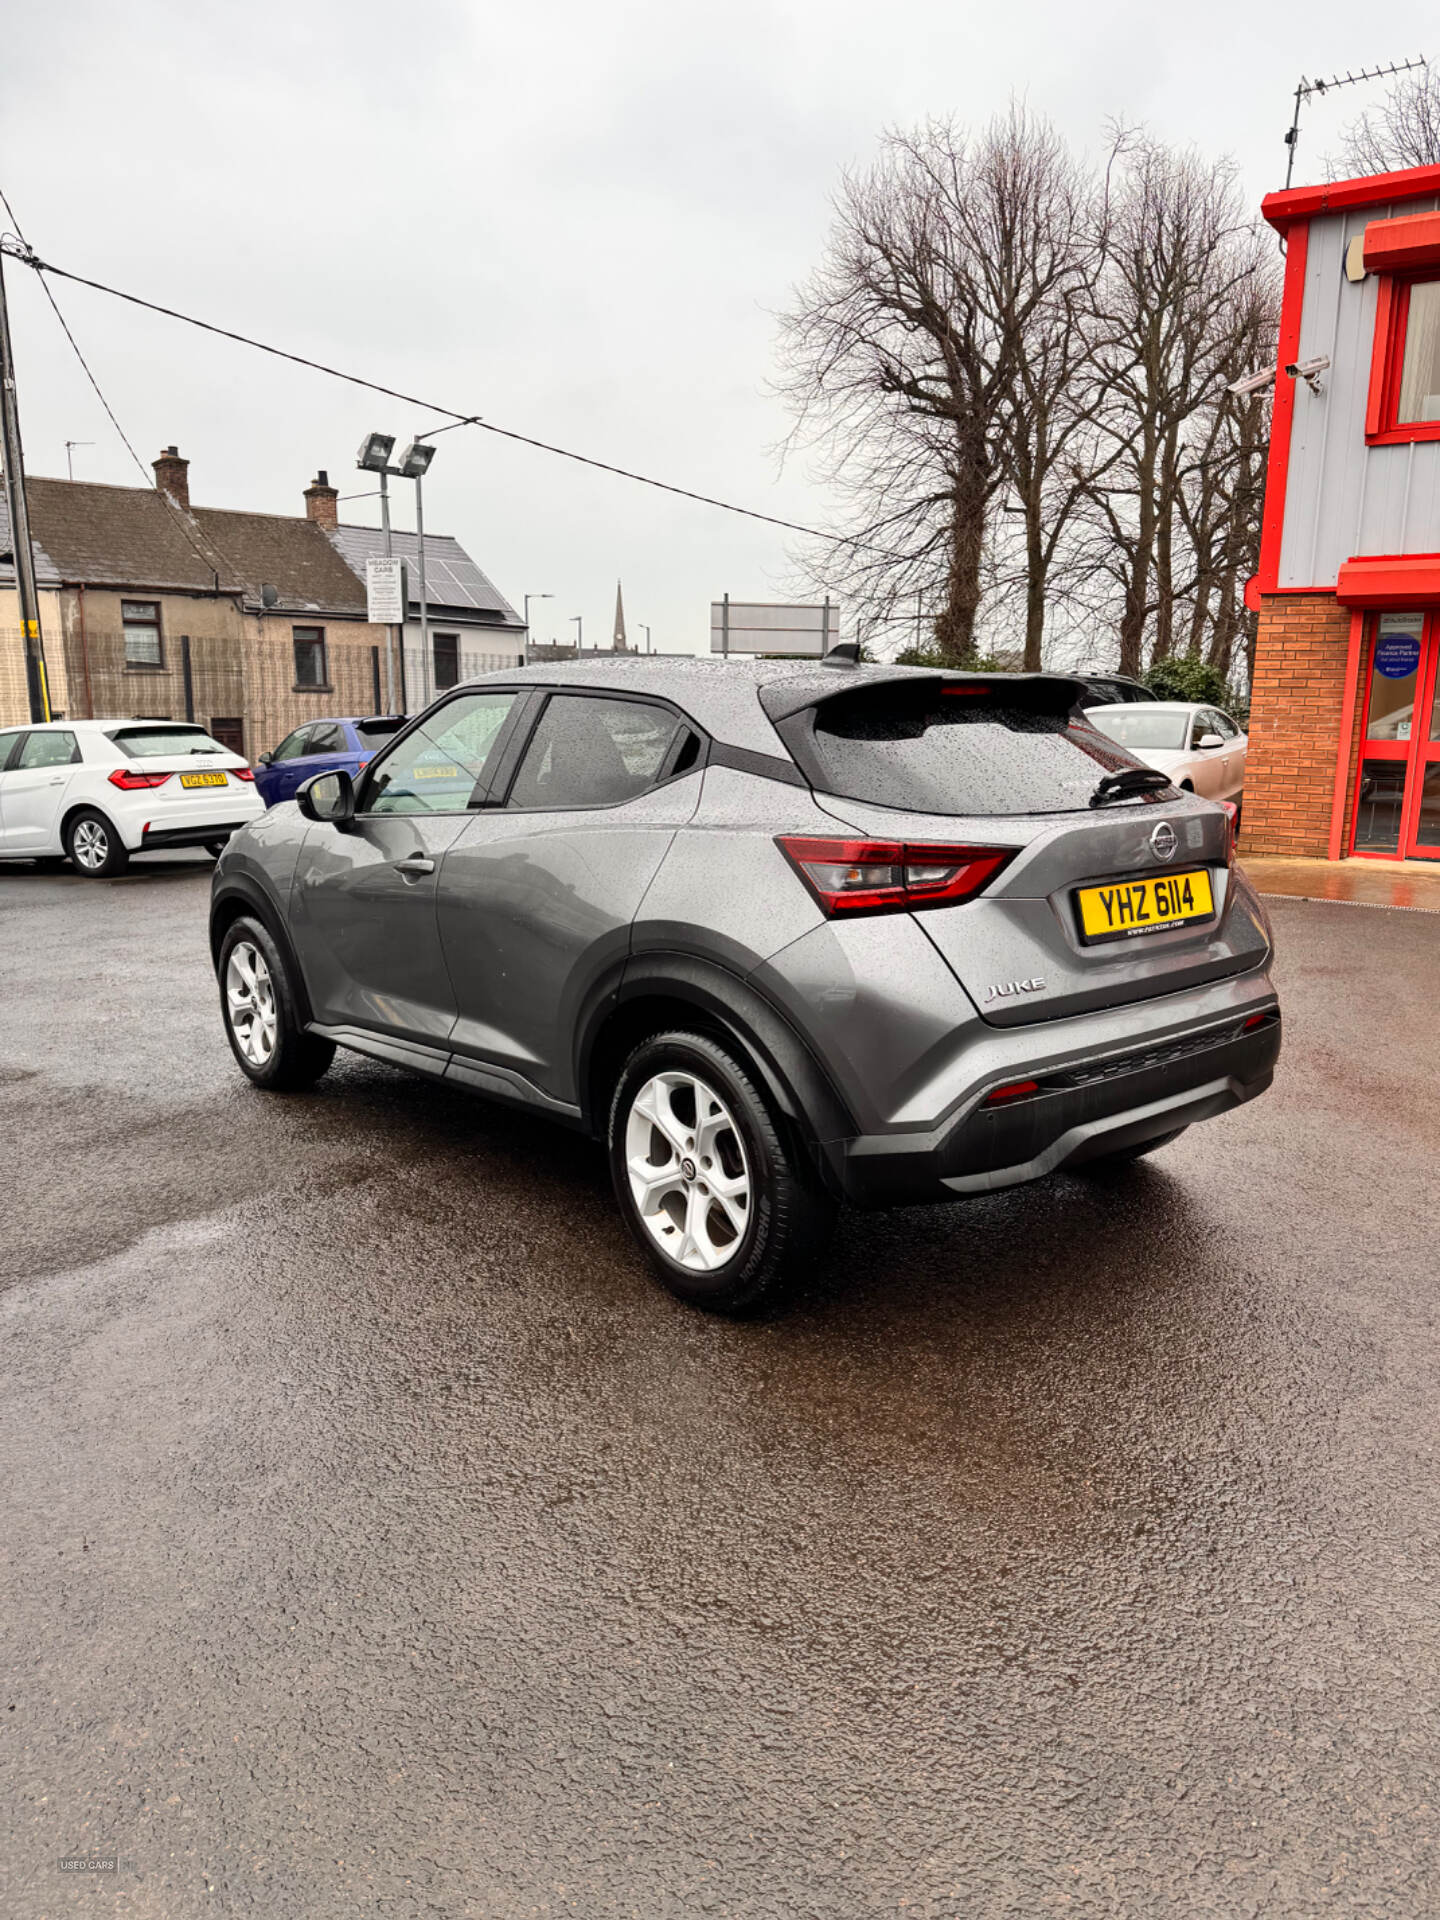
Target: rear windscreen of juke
x=933, y=749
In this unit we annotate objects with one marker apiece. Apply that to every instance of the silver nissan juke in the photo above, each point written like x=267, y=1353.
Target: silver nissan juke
x=782, y=934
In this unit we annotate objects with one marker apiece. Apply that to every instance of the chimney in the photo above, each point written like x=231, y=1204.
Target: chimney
x=172, y=476
x=320, y=501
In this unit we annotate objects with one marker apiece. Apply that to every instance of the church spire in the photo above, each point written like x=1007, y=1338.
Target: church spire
x=619, y=642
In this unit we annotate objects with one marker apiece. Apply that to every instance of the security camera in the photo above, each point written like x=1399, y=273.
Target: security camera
x=1306, y=370
x=1252, y=382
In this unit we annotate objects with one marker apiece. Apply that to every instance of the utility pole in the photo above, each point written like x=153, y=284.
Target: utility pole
x=427, y=670
x=20, y=521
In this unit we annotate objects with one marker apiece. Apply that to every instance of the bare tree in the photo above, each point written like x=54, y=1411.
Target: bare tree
x=1181, y=268
x=932, y=358
x=1403, y=132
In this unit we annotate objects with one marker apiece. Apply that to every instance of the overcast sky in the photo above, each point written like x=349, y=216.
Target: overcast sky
x=576, y=220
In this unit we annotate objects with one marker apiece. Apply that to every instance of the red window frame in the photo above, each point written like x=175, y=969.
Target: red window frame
x=1392, y=312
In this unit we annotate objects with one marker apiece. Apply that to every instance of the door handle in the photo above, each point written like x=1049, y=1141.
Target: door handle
x=57, y=780
x=416, y=863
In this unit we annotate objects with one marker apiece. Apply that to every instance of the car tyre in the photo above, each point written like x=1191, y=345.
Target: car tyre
x=95, y=848
x=708, y=1179
x=260, y=1008
x=1122, y=1156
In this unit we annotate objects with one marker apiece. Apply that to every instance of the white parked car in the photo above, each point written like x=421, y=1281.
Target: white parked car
x=1200, y=747
x=99, y=790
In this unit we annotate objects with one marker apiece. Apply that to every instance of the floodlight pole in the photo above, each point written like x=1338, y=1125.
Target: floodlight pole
x=389, y=554
x=14, y=458
x=427, y=664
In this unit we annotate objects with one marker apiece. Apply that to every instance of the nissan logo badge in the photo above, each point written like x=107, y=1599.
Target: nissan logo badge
x=1163, y=842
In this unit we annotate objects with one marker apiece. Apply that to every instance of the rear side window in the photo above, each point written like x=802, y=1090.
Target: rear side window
x=49, y=750
x=7, y=746
x=927, y=751
x=154, y=743
x=593, y=753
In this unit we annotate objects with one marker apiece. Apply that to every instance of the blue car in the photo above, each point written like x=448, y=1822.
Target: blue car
x=321, y=746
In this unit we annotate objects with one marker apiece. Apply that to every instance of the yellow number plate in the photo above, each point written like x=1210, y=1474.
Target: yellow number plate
x=203, y=780
x=445, y=772
x=1145, y=906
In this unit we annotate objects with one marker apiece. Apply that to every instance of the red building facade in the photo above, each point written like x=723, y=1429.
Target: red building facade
x=1345, y=710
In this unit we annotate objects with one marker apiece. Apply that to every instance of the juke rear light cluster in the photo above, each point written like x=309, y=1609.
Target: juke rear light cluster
x=889, y=876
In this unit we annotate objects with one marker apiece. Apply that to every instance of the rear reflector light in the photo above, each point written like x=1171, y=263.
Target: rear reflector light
x=1255, y=1020
x=1016, y=1090
x=888, y=876
x=241, y=773
x=129, y=782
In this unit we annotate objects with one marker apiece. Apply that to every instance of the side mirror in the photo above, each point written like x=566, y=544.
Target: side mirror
x=327, y=796
x=265, y=760
x=1208, y=740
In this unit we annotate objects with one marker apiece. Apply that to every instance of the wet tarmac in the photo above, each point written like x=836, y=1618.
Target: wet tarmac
x=380, y=1540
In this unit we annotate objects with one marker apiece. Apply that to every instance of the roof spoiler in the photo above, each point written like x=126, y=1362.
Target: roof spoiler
x=384, y=722
x=1039, y=692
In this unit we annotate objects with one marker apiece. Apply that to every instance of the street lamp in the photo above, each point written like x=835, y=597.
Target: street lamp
x=374, y=457
x=577, y=620
x=528, y=597
x=414, y=465
x=646, y=631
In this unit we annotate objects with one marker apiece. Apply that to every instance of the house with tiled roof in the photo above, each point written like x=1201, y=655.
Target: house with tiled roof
x=251, y=623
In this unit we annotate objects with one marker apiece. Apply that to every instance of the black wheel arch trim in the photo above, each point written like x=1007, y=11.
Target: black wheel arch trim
x=254, y=898
x=793, y=1076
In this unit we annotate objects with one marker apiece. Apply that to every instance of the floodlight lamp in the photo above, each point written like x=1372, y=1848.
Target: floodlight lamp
x=415, y=460
x=375, y=451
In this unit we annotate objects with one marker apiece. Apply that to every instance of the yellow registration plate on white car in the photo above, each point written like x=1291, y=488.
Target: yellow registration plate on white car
x=1128, y=907
x=203, y=780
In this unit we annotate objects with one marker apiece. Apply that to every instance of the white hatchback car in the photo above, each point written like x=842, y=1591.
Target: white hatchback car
x=99, y=790
x=1200, y=747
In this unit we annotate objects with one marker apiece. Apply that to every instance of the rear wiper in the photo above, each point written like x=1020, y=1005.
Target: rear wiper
x=1118, y=786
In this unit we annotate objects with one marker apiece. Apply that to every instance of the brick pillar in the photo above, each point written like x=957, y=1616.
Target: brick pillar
x=1295, y=714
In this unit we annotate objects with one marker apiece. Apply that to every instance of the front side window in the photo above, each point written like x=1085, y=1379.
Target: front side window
x=140, y=620
x=436, y=768
x=1419, y=395
x=309, y=656
x=53, y=749
x=7, y=746
x=589, y=752
x=292, y=746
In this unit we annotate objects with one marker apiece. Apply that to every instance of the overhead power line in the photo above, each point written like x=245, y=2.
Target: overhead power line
x=182, y=520
x=27, y=256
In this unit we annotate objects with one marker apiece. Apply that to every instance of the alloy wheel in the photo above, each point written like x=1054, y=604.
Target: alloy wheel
x=250, y=1002
x=689, y=1174
x=90, y=845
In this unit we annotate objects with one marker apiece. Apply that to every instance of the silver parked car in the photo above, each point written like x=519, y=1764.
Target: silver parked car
x=1199, y=747
x=780, y=934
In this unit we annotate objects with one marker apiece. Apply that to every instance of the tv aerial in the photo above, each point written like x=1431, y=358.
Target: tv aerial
x=1347, y=79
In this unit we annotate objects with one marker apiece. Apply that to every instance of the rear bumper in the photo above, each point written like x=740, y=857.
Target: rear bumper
x=200, y=836
x=1080, y=1111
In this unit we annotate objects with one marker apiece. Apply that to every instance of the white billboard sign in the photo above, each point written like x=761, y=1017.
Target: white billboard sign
x=385, y=592
x=747, y=626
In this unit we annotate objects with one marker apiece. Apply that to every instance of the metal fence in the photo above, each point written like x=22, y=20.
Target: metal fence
x=448, y=666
